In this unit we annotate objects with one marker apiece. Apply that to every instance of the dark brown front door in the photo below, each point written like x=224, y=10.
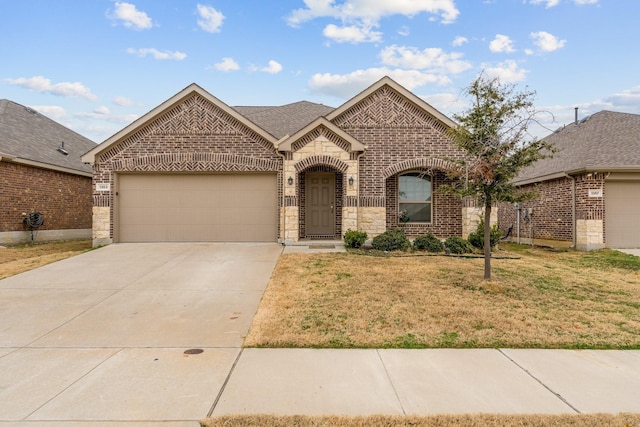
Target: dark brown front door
x=320, y=218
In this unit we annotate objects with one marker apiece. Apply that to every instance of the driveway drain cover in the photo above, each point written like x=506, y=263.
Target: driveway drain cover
x=194, y=351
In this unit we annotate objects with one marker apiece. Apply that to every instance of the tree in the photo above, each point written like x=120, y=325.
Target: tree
x=492, y=133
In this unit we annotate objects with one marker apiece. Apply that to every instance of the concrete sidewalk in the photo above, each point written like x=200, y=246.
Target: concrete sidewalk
x=428, y=382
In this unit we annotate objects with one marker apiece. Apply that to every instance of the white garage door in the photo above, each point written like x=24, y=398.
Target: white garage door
x=197, y=208
x=622, y=214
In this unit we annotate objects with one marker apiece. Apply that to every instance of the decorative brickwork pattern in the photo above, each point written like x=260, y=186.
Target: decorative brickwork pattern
x=64, y=199
x=425, y=164
x=387, y=108
x=193, y=136
x=320, y=131
x=320, y=160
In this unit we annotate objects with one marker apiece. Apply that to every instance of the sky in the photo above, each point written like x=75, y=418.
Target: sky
x=97, y=65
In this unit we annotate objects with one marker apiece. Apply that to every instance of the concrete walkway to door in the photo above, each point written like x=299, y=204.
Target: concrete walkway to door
x=103, y=337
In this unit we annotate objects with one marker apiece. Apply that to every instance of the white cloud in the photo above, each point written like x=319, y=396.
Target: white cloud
x=122, y=101
x=548, y=3
x=433, y=59
x=131, y=17
x=142, y=52
x=101, y=115
x=404, y=31
x=459, y=41
x=507, y=71
x=501, y=43
x=546, y=42
x=54, y=112
x=273, y=68
x=346, y=85
x=446, y=102
x=372, y=10
x=227, y=64
x=64, y=89
x=210, y=18
x=629, y=99
x=359, y=17
x=351, y=34
x=551, y=3
x=103, y=110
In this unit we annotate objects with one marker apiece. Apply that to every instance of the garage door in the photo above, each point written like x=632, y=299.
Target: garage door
x=622, y=214
x=197, y=208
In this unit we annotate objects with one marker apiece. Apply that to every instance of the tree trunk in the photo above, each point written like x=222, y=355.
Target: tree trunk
x=487, y=240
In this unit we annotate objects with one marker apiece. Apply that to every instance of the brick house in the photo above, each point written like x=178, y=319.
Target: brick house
x=196, y=169
x=41, y=171
x=589, y=191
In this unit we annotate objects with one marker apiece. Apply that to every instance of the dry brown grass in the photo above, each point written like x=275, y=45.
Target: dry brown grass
x=20, y=258
x=481, y=420
x=541, y=300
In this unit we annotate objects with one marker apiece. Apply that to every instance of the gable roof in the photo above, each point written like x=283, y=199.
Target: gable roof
x=286, y=119
x=286, y=142
x=31, y=138
x=193, y=88
x=603, y=142
x=388, y=81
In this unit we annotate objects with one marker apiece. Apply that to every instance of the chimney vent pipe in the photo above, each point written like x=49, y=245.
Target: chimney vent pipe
x=576, y=119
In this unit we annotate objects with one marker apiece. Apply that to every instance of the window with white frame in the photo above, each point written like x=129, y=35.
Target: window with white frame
x=414, y=197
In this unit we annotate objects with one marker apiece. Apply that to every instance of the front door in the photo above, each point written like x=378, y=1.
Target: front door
x=320, y=217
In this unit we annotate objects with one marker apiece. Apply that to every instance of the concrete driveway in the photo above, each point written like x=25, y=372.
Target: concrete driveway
x=104, y=336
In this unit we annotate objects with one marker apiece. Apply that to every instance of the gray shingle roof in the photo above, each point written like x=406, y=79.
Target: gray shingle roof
x=604, y=140
x=286, y=119
x=27, y=134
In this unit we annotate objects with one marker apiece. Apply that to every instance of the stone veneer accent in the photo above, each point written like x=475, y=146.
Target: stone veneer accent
x=589, y=234
x=101, y=226
x=372, y=221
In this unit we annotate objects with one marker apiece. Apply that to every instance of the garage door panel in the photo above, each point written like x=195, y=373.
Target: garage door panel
x=622, y=214
x=195, y=208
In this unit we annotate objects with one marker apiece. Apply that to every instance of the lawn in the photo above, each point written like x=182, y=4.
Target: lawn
x=539, y=298
x=475, y=420
x=20, y=258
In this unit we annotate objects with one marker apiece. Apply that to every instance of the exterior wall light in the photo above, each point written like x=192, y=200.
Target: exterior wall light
x=290, y=180
x=350, y=180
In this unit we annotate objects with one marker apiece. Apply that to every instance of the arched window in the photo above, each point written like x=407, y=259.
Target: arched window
x=414, y=197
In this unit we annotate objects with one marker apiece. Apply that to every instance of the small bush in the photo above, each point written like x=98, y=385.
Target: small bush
x=391, y=240
x=354, y=238
x=477, y=239
x=457, y=245
x=428, y=242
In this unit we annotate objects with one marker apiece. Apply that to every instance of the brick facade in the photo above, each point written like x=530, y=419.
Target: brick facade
x=552, y=211
x=193, y=136
x=63, y=199
x=366, y=145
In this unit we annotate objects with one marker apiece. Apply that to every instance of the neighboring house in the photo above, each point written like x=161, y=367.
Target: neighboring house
x=41, y=171
x=196, y=169
x=589, y=190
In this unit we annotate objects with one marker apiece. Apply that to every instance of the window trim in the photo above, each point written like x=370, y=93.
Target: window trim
x=430, y=203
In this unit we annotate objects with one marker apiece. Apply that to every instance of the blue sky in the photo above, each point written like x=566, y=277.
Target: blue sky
x=97, y=65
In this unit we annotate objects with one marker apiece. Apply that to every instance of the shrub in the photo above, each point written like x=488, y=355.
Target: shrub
x=457, y=245
x=477, y=238
x=354, y=238
x=391, y=240
x=428, y=242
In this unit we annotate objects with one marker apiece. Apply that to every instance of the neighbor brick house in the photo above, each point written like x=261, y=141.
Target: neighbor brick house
x=589, y=191
x=196, y=169
x=41, y=171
